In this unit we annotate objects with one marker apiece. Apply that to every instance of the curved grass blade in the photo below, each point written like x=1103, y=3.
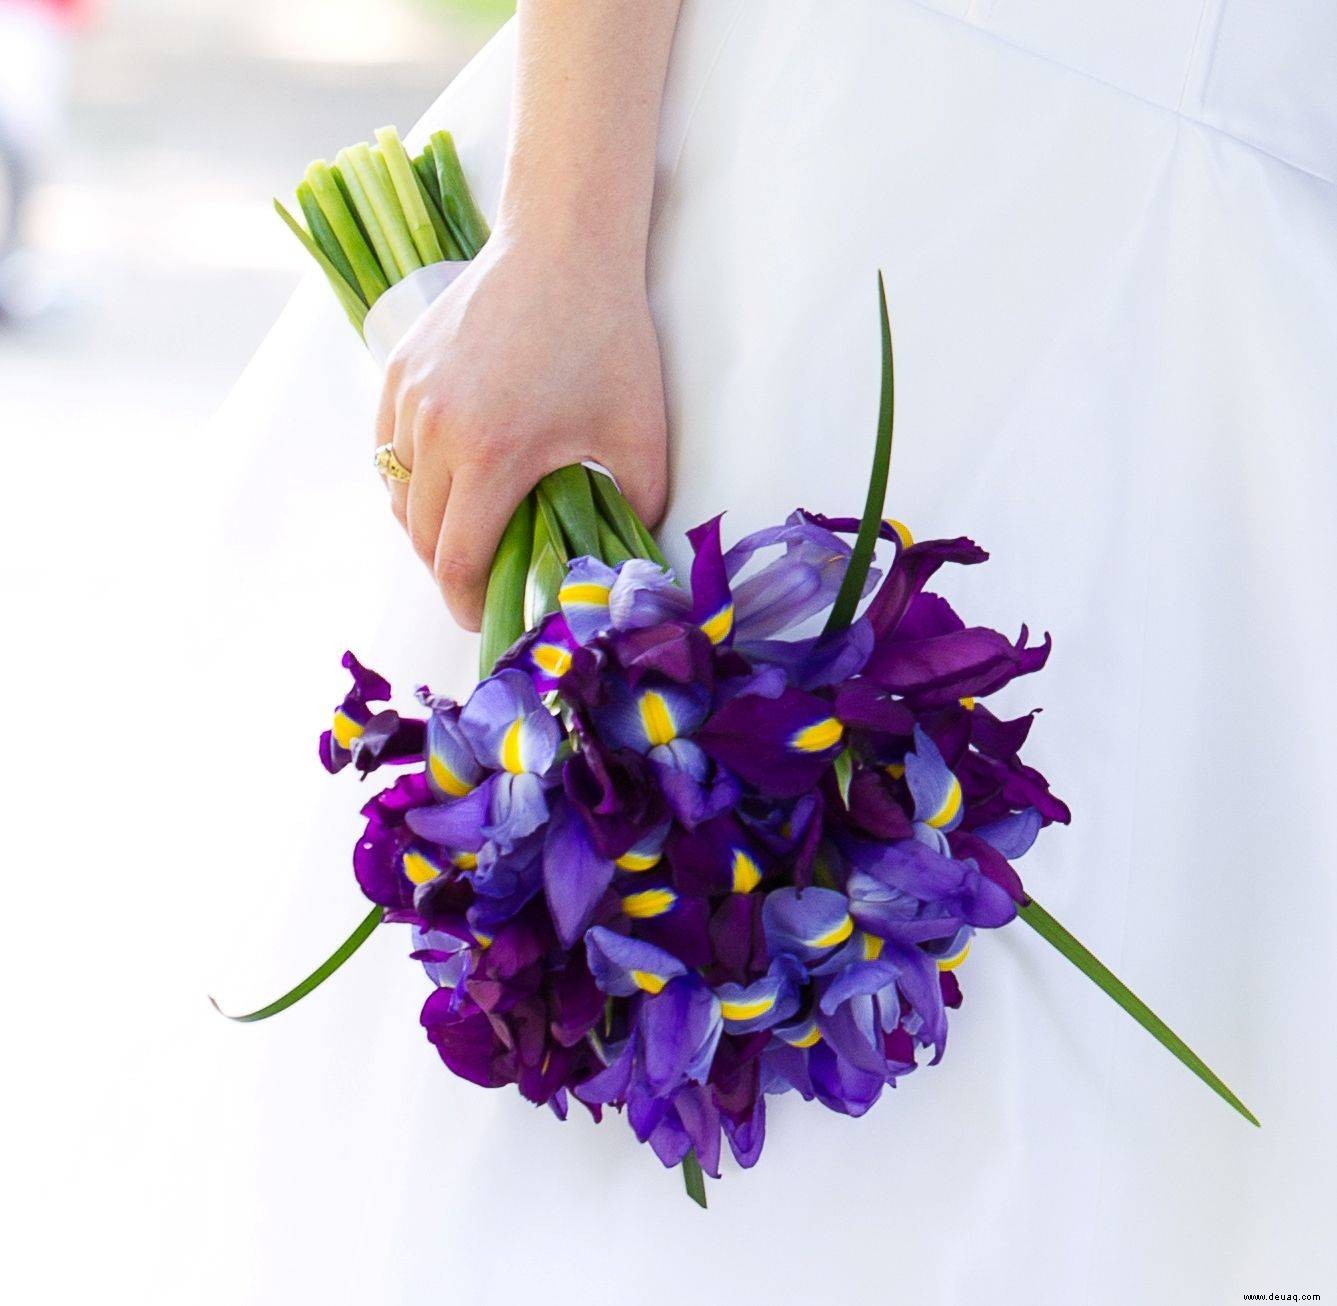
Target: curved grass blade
x=504, y=606
x=693, y=1180
x=851, y=588
x=1099, y=974
x=318, y=976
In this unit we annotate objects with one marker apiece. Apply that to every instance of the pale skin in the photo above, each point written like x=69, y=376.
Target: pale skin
x=544, y=352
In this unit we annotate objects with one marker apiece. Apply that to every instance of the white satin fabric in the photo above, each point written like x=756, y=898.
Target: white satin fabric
x=1109, y=233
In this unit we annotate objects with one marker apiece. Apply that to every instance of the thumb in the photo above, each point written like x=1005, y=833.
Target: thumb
x=641, y=470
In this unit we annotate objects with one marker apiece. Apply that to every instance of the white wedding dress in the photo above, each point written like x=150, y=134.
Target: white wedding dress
x=1109, y=234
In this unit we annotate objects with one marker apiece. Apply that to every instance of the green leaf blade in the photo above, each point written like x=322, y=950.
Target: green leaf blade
x=1112, y=986
x=851, y=587
x=318, y=976
x=693, y=1179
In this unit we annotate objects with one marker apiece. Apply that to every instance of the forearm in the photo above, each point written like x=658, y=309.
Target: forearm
x=581, y=161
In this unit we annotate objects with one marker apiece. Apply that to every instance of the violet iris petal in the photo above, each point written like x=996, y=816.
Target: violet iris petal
x=765, y=1002
x=1012, y=835
x=941, y=669
x=655, y=713
x=452, y=768
x=622, y=966
x=911, y=571
x=806, y=923
x=936, y=791
x=712, y=601
x=456, y=825
x=822, y=660
x=645, y=594
x=839, y=1085
x=517, y=806
x=465, y=1039
x=679, y=1028
x=575, y=873
x=674, y=650
x=584, y=596
x=544, y=654
x=508, y=726
x=781, y=746
x=792, y=588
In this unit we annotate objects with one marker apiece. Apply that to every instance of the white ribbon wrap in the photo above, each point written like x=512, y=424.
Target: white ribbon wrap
x=390, y=317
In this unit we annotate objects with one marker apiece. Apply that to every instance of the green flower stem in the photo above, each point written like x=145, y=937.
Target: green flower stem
x=422, y=170
x=504, y=606
x=362, y=206
x=368, y=277
x=616, y=511
x=461, y=212
x=318, y=976
x=405, y=184
x=1109, y=983
x=611, y=549
x=323, y=234
x=547, y=568
x=352, y=303
x=567, y=492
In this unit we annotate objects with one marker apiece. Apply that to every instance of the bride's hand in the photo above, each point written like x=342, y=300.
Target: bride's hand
x=534, y=359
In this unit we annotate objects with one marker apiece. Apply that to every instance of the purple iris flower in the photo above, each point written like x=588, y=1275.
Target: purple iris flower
x=754, y=865
x=596, y=598
x=366, y=738
x=515, y=736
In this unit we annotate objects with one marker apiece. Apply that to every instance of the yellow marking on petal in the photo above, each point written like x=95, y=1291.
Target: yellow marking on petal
x=717, y=628
x=872, y=947
x=484, y=940
x=837, y=935
x=807, y=1038
x=583, y=594
x=648, y=981
x=746, y=872
x=895, y=770
x=345, y=729
x=902, y=532
x=446, y=779
x=552, y=659
x=950, y=806
x=818, y=737
x=746, y=1010
x=652, y=902
x=968, y=703
x=419, y=869
x=634, y=861
x=465, y=861
x=511, y=757
x=951, y=963
x=656, y=719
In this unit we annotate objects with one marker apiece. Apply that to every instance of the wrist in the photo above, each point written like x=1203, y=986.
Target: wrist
x=598, y=257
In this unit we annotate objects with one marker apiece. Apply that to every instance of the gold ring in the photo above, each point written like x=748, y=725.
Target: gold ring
x=388, y=464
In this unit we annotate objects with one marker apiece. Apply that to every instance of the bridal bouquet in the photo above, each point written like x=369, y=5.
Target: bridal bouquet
x=692, y=841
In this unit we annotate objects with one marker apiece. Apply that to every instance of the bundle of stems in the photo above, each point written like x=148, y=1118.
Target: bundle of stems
x=374, y=216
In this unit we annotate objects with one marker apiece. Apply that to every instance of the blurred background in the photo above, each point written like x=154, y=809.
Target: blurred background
x=142, y=141
x=141, y=264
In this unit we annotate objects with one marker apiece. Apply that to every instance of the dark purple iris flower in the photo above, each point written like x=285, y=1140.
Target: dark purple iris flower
x=681, y=851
